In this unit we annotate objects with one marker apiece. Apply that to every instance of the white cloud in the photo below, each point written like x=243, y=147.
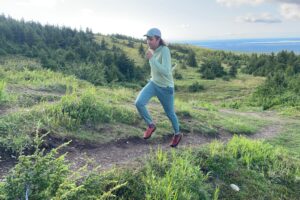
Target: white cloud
x=39, y=3
x=87, y=12
x=266, y=18
x=288, y=1
x=230, y=3
x=290, y=11
x=184, y=26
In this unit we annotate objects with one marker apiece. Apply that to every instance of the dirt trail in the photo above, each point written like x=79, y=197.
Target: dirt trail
x=126, y=152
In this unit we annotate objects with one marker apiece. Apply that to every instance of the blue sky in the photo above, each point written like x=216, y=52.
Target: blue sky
x=178, y=20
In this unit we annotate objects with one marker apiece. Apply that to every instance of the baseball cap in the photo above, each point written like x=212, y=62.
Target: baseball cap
x=153, y=32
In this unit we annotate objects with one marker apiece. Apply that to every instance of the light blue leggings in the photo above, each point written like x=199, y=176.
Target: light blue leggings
x=166, y=97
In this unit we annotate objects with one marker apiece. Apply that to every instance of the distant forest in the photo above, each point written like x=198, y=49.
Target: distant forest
x=68, y=50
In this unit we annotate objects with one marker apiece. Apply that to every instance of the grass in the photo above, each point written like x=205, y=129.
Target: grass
x=289, y=138
x=256, y=167
x=2, y=92
x=72, y=108
x=68, y=108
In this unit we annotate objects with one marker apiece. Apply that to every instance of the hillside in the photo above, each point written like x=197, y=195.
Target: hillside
x=67, y=101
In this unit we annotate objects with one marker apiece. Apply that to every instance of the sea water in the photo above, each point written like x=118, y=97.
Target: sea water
x=264, y=45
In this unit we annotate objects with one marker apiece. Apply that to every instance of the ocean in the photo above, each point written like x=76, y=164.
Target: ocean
x=266, y=45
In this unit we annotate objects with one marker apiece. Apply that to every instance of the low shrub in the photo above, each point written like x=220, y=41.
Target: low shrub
x=48, y=176
x=196, y=87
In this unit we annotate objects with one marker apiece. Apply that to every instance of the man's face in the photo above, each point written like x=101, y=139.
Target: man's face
x=152, y=42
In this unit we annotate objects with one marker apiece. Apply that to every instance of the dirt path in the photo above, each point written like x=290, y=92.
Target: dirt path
x=126, y=152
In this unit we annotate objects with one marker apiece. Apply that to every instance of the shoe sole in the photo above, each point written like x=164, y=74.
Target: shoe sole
x=177, y=142
x=145, y=138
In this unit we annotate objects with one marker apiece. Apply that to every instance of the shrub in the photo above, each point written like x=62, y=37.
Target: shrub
x=74, y=110
x=48, y=176
x=178, y=75
x=195, y=87
x=36, y=176
x=278, y=89
x=211, y=69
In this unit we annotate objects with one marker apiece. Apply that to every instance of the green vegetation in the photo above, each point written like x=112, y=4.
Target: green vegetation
x=255, y=167
x=281, y=87
x=48, y=176
x=212, y=69
x=67, y=50
x=2, y=91
x=80, y=86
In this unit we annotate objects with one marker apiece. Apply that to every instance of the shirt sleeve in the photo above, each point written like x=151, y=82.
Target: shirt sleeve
x=165, y=66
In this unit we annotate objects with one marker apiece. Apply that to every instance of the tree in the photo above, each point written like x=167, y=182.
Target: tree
x=141, y=50
x=103, y=44
x=191, y=59
x=212, y=68
x=233, y=70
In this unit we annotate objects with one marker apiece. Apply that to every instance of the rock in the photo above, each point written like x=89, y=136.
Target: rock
x=235, y=187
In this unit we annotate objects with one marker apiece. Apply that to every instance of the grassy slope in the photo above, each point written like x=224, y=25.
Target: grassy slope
x=29, y=86
x=33, y=94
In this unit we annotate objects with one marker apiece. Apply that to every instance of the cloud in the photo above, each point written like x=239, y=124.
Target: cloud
x=184, y=26
x=290, y=11
x=288, y=1
x=230, y=3
x=266, y=18
x=39, y=3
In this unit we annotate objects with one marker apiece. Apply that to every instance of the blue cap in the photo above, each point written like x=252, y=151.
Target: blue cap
x=153, y=32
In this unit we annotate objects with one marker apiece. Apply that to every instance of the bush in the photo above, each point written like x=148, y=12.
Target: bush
x=36, y=176
x=278, y=89
x=74, y=110
x=211, y=69
x=196, y=87
x=178, y=75
x=48, y=176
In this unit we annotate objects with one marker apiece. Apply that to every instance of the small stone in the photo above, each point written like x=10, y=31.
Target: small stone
x=235, y=187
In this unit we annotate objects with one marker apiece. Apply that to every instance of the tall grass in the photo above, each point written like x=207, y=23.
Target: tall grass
x=174, y=177
x=255, y=166
x=257, y=155
x=2, y=91
x=74, y=110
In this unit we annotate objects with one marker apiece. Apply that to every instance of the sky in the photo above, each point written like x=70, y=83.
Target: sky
x=177, y=20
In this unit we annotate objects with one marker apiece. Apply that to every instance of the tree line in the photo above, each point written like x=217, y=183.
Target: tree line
x=67, y=50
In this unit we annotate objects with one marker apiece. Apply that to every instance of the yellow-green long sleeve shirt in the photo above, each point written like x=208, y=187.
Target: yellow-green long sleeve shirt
x=161, y=67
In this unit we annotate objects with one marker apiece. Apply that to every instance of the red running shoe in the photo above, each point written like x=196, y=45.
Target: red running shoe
x=175, y=140
x=149, y=132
